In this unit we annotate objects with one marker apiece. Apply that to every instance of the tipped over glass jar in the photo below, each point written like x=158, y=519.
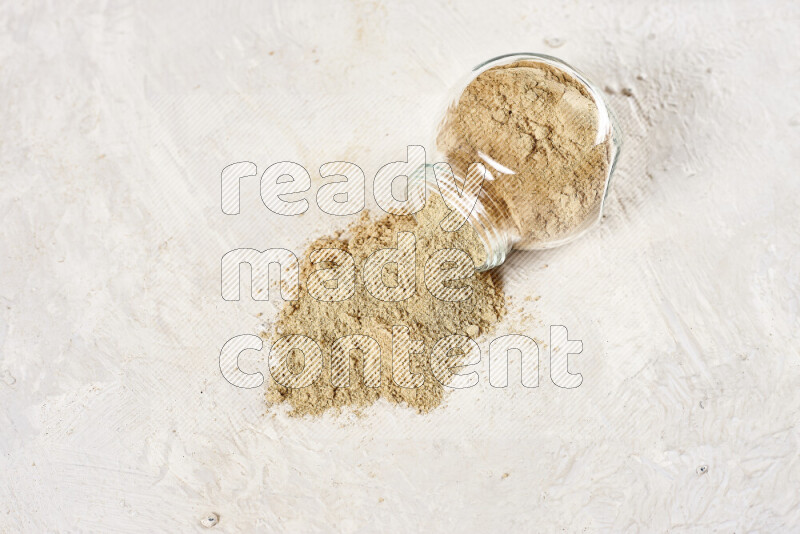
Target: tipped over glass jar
x=547, y=143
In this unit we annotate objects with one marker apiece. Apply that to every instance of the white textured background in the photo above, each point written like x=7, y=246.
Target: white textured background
x=116, y=122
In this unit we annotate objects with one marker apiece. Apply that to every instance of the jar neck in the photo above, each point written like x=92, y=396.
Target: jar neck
x=488, y=218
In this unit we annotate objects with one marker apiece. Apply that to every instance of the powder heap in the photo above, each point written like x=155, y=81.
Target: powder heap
x=428, y=318
x=543, y=128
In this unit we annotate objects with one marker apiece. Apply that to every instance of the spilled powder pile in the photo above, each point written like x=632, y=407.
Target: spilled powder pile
x=428, y=318
x=542, y=127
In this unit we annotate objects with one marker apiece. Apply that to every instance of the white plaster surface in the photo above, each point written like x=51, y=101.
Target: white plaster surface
x=117, y=120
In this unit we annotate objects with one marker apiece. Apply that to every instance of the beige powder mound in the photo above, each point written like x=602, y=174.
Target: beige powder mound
x=428, y=318
x=542, y=124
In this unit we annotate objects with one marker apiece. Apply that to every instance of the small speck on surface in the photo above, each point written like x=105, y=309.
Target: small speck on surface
x=554, y=42
x=210, y=520
x=702, y=470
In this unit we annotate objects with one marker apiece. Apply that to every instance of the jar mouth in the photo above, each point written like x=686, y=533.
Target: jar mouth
x=496, y=241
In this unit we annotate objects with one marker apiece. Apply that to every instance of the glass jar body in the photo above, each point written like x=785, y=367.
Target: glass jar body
x=547, y=144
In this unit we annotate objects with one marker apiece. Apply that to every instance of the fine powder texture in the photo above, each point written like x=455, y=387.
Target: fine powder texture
x=537, y=130
x=429, y=319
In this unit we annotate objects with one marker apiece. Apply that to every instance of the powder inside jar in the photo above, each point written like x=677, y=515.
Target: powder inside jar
x=539, y=133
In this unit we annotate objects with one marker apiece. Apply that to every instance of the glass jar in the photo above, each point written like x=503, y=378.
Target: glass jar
x=548, y=144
